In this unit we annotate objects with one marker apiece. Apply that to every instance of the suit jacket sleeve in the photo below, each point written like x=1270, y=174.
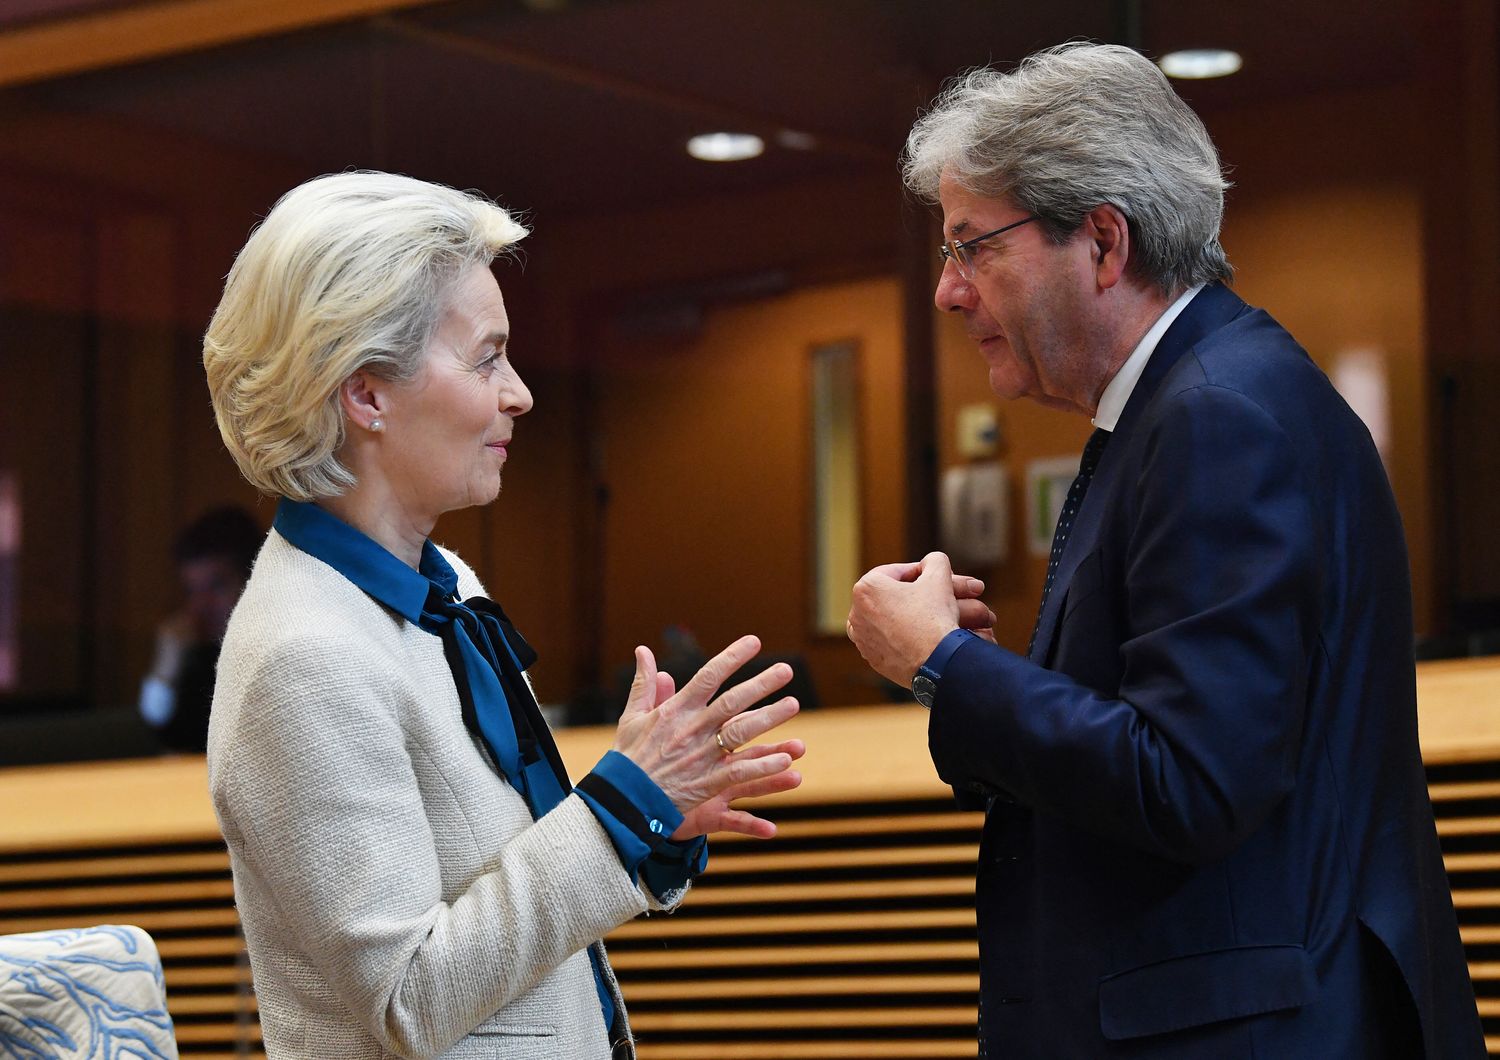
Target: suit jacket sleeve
x=1217, y=583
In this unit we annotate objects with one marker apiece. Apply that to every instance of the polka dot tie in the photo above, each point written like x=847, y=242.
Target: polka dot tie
x=1086, y=466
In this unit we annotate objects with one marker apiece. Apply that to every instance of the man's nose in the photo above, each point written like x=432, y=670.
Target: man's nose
x=954, y=293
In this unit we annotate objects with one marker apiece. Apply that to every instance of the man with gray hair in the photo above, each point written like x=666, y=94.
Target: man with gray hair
x=1208, y=832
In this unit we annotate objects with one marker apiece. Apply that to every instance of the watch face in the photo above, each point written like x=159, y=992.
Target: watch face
x=924, y=688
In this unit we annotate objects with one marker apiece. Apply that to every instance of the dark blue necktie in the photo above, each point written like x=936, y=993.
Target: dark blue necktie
x=1086, y=466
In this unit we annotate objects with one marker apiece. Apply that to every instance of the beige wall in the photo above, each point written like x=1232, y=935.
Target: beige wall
x=706, y=451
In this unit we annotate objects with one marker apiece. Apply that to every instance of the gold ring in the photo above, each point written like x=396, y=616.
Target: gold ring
x=719, y=739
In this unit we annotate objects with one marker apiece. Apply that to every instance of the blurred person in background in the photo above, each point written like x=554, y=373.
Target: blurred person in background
x=415, y=874
x=213, y=557
x=1208, y=832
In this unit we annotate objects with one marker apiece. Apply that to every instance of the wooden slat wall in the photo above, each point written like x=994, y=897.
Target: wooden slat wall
x=850, y=935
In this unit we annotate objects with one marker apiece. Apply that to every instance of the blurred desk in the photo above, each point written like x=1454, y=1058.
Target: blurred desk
x=850, y=935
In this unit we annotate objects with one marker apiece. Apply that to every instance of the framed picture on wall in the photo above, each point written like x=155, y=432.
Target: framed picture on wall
x=1047, y=485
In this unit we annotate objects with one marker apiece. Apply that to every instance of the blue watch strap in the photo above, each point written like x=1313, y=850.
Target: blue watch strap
x=933, y=667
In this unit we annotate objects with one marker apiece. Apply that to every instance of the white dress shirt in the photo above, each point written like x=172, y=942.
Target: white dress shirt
x=1117, y=393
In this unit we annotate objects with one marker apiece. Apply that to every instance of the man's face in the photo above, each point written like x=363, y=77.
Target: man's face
x=1024, y=304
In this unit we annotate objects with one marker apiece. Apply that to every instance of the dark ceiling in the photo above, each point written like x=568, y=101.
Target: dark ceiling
x=584, y=107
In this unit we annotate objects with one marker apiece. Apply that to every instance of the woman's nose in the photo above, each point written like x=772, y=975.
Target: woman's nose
x=515, y=396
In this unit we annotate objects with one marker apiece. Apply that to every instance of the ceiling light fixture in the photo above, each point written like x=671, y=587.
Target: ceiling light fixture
x=1199, y=63
x=725, y=146
x=794, y=140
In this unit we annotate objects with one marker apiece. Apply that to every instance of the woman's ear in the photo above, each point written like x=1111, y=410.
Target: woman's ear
x=363, y=399
x=1109, y=232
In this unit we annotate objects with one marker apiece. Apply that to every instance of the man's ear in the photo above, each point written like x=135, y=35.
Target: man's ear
x=363, y=398
x=1108, y=233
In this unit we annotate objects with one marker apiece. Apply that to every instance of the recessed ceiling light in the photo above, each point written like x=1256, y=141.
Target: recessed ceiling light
x=725, y=146
x=794, y=140
x=1198, y=63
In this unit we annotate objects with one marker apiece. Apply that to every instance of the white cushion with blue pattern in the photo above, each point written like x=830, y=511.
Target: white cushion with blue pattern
x=84, y=992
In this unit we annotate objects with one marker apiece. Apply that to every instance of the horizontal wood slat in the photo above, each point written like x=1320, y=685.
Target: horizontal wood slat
x=866, y=953
x=963, y=854
x=86, y=867
x=118, y=895
x=834, y=891
x=798, y=1019
x=1479, y=789
x=787, y=923
x=213, y=946
x=884, y=1049
x=1472, y=862
x=170, y=920
x=209, y=975
x=786, y=987
x=218, y=1031
x=1450, y=826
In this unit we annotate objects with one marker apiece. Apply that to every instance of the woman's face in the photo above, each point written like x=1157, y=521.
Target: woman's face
x=451, y=425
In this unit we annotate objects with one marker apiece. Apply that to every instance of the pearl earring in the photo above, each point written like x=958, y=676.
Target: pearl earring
x=377, y=425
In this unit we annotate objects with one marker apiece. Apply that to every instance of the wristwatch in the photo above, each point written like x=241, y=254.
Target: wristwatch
x=924, y=685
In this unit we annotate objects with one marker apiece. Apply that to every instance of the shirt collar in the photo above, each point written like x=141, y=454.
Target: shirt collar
x=364, y=561
x=1117, y=394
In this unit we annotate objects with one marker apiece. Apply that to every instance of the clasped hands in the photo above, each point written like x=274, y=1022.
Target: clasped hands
x=900, y=612
x=698, y=748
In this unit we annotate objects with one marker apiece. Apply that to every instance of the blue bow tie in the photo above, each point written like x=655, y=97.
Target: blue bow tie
x=488, y=658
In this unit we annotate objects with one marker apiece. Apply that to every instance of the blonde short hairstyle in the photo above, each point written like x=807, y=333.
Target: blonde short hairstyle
x=348, y=272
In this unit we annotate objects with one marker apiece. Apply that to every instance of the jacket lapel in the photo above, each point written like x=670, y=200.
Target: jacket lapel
x=1215, y=306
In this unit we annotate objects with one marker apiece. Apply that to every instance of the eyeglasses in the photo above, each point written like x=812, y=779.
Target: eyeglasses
x=962, y=254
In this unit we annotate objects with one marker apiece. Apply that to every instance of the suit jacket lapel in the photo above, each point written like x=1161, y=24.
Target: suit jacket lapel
x=1215, y=306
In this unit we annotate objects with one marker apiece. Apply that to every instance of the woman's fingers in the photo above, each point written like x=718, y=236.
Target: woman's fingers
x=795, y=748
x=742, y=822
x=759, y=788
x=751, y=725
x=703, y=684
x=749, y=692
x=744, y=770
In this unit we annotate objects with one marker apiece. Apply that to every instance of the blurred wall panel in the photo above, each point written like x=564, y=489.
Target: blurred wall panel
x=706, y=453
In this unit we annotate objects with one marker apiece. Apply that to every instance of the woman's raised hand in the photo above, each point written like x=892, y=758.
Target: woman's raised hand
x=698, y=748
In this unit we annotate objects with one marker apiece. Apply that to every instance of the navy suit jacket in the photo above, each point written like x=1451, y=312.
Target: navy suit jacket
x=1209, y=832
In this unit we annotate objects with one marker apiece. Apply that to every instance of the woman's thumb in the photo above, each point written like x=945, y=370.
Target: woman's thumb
x=643, y=685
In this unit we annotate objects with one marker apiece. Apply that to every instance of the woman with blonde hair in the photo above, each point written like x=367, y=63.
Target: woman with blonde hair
x=414, y=872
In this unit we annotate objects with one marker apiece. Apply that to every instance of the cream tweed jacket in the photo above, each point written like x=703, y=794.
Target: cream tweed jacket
x=396, y=896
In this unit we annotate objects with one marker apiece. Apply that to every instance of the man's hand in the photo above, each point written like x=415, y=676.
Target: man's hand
x=902, y=610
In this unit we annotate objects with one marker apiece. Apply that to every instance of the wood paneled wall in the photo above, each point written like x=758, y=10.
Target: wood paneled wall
x=132, y=231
